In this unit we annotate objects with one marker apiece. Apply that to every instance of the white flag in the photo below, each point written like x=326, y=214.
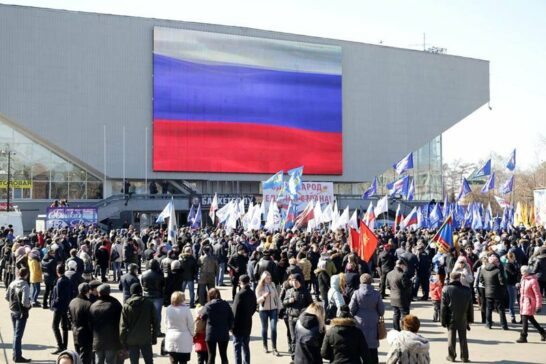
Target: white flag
x=273, y=221
x=317, y=214
x=353, y=221
x=327, y=214
x=335, y=218
x=382, y=206
x=213, y=207
x=169, y=213
x=241, y=207
x=256, y=220
x=223, y=213
x=343, y=219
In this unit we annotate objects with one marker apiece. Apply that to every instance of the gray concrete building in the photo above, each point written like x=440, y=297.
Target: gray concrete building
x=76, y=106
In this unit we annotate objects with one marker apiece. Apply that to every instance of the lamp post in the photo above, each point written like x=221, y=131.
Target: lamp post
x=8, y=153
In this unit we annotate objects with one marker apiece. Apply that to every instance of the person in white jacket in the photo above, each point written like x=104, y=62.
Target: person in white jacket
x=179, y=326
x=407, y=346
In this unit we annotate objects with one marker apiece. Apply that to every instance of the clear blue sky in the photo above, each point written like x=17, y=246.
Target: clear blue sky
x=510, y=34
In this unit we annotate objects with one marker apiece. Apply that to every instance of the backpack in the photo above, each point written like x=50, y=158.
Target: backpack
x=114, y=255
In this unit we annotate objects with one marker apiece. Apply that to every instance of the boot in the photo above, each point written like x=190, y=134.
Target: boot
x=265, y=347
x=522, y=339
x=543, y=335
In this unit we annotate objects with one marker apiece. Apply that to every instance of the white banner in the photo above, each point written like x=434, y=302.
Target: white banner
x=316, y=191
x=540, y=207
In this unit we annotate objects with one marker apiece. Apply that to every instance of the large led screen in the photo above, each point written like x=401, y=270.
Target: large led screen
x=226, y=103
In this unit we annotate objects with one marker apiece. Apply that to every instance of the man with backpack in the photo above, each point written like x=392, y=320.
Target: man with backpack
x=18, y=296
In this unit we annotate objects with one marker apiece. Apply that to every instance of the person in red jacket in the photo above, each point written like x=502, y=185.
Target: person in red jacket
x=436, y=295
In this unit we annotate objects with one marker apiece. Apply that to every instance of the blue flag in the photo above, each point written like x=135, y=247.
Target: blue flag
x=484, y=171
x=196, y=223
x=435, y=216
x=477, y=223
x=400, y=186
x=411, y=190
x=372, y=190
x=511, y=164
x=444, y=236
x=405, y=164
x=294, y=182
x=191, y=215
x=488, y=219
x=273, y=181
x=465, y=189
x=490, y=184
x=507, y=186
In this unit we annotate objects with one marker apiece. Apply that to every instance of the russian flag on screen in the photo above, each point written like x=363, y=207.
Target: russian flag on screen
x=225, y=103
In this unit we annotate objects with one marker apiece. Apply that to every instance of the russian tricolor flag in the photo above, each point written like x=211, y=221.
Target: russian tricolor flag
x=225, y=103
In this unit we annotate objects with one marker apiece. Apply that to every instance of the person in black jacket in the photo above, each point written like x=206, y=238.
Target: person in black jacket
x=492, y=278
x=219, y=318
x=189, y=273
x=60, y=299
x=457, y=313
x=105, y=315
x=244, y=307
x=344, y=342
x=173, y=282
x=400, y=292
x=78, y=311
x=422, y=278
x=386, y=262
x=127, y=281
x=49, y=266
x=295, y=300
x=266, y=264
x=153, y=285
x=237, y=265
x=309, y=335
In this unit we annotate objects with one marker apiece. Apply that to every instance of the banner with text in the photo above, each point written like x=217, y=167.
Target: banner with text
x=540, y=207
x=61, y=217
x=316, y=191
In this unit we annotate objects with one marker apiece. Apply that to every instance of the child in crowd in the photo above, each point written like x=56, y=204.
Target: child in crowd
x=436, y=295
x=199, y=339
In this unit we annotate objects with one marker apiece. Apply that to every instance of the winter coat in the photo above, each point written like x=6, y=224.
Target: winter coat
x=35, y=270
x=272, y=301
x=219, y=317
x=435, y=288
x=208, y=269
x=308, y=340
x=173, y=283
x=266, y=264
x=344, y=343
x=400, y=287
x=244, y=306
x=493, y=280
x=456, y=310
x=188, y=264
x=78, y=311
x=539, y=268
x=335, y=296
x=467, y=279
x=511, y=270
x=105, y=316
x=18, y=296
x=323, y=281
x=407, y=348
x=62, y=294
x=531, y=298
x=138, y=324
x=153, y=283
x=353, y=282
x=296, y=300
x=49, y=266
x=367, y=306
x=125, y=283
x=180, y=329
x=386, y=261
x=237, y=264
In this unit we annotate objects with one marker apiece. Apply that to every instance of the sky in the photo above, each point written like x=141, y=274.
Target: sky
x=510, y=34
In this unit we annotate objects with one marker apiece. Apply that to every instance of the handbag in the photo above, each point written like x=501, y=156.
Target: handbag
x=381, y=329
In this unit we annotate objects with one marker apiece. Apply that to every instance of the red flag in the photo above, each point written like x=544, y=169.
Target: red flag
x=354, y=240
x=367, y=242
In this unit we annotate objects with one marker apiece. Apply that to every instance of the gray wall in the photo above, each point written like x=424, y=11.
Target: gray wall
x=63, y=75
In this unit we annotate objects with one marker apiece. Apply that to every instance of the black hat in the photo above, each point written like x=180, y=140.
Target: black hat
x=136, y=288
x=94, y=284
x=244, y=279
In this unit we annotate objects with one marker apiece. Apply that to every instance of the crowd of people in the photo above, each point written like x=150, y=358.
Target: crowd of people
x=324, y=292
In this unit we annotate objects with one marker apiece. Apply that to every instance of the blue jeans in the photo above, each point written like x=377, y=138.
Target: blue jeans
x=106, y=357
x=267, y=316
x=191, y=288
x=512, y=300
x=34, y=292
x=147, y=354
x=242, y=350
x=158, y=304
x=116, y=268
x=18, y=331
x=221, y=272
